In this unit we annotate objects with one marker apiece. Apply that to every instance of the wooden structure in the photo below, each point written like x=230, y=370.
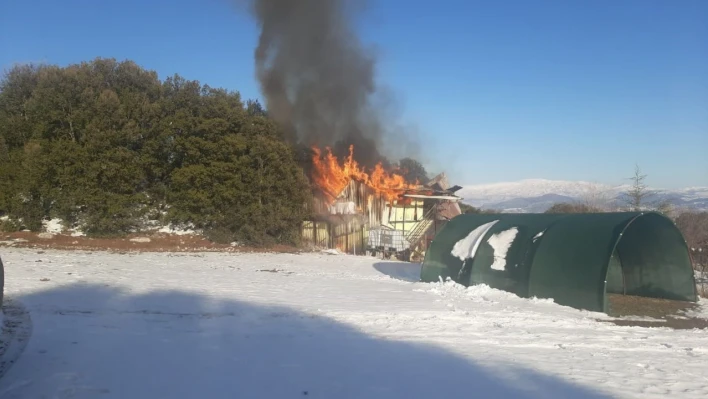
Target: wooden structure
x=361, y=221
x=344, y=224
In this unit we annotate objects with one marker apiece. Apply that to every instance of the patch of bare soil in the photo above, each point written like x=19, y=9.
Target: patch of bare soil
x=667, y=313
x=158, y=242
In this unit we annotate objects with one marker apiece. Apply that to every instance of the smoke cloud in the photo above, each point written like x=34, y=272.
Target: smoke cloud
x=318, y=79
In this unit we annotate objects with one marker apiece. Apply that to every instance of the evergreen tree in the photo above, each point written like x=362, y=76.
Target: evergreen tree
x=106, y=144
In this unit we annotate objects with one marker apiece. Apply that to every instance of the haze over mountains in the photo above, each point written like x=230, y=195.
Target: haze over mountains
x=537, y=195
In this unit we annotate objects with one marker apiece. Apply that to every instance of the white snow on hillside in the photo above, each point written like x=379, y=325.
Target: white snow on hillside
x=691, y=192
x=498, y=192
x=528, y=194
x=216, y=325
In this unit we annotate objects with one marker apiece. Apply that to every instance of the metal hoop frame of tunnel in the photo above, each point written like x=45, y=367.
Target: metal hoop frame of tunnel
x=573, y=258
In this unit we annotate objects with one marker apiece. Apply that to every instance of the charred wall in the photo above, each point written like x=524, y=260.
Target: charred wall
x=346, y=232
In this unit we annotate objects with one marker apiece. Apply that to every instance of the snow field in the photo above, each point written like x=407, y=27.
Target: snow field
x=319, y=326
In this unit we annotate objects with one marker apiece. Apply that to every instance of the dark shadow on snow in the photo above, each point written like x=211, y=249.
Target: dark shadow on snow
x=97, y=341
x=400, y=270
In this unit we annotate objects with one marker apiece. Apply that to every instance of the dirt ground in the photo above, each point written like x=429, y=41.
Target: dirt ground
x=157, y=242
x=667, y=312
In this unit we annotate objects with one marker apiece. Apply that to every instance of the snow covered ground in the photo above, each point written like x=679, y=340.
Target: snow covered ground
x=215, y=325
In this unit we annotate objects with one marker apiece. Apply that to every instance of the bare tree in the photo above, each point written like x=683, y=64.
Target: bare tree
x=668, y=209
x=597, y=198
x=639, y=191
x=694, y=227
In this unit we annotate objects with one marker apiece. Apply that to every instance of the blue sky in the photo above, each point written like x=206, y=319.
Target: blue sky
x=496, y=90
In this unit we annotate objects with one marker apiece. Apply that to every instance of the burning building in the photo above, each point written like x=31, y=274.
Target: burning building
x=376, y=212
x=318, y=80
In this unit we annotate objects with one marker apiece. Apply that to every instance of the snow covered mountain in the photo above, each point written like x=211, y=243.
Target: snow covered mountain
x=537, y=195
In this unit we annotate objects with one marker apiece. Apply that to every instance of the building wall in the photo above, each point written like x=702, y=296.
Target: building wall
x=351, y=236
x=316, y=233
x=367, y=202
x=405, y=218
x=346, y=237
x=345, y=232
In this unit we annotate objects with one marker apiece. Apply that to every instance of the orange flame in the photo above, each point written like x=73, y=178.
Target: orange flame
x=332, y=178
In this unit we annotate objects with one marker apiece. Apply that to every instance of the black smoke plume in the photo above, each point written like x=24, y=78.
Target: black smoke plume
x=316, y=76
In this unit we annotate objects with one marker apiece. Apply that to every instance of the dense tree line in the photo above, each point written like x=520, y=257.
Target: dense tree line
x=570, y=207
x=694, y=226
x=469, y=209
x=107, y=146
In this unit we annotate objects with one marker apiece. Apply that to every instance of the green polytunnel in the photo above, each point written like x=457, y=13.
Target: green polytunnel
x=573, y=258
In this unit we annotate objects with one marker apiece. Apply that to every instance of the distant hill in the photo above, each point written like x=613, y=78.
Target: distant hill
x=537, y=195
